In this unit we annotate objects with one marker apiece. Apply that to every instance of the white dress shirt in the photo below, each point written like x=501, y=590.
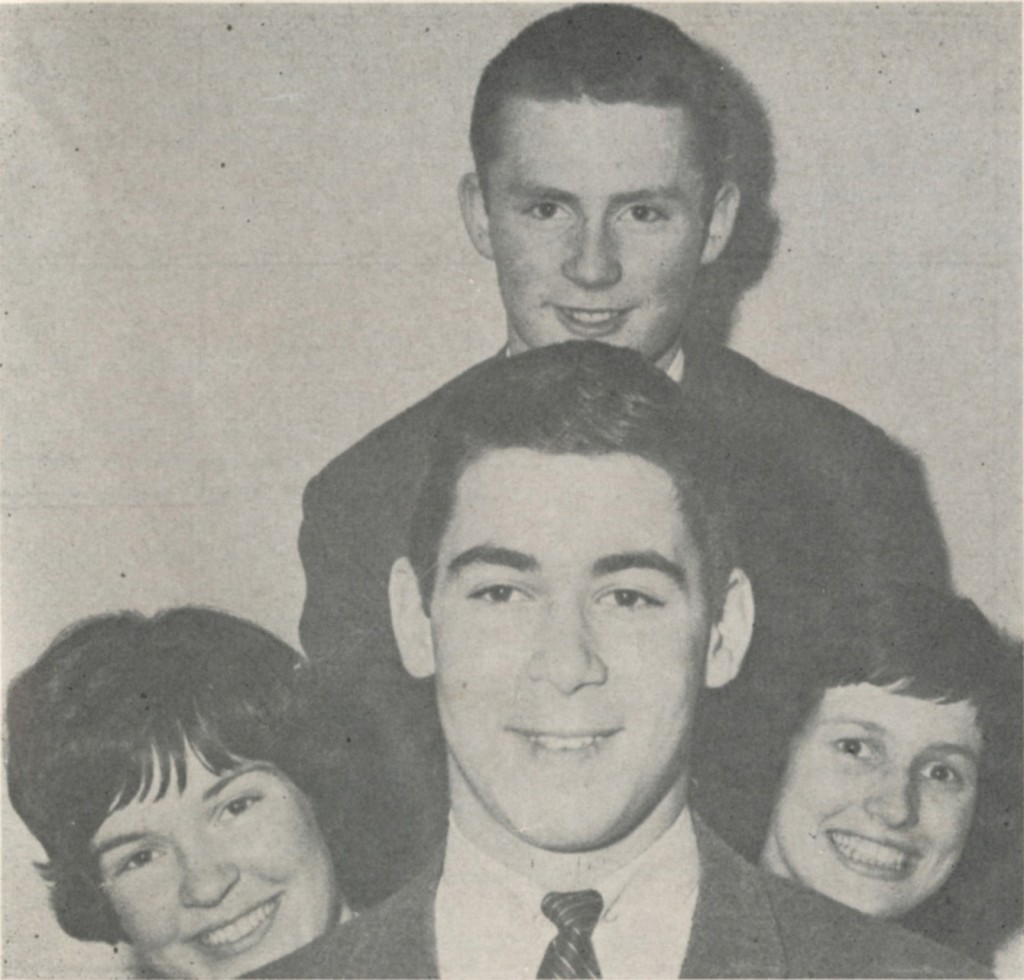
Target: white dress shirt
x=488, y=920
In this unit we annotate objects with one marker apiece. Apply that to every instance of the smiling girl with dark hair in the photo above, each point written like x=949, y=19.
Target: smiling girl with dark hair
x=185, y=780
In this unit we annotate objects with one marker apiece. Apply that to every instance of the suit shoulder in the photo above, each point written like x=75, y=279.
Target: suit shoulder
x=389, y=940
x=823, y=938
x=386, y=454
x=393, y=939
x=749, y=391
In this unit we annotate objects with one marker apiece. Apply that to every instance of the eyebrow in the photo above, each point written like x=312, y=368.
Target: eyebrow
x=115, y=842
x=640, y=195
x=234, y=774
x=208, y=794
x=623, y=561
x=521, y=189
x=486, y=554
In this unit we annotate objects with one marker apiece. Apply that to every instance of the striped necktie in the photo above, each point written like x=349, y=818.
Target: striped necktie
x=571, y=954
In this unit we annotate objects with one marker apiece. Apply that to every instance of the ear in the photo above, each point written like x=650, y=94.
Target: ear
x=720, y=224
x=730, y=636
x=474, y=214
x=410, y=621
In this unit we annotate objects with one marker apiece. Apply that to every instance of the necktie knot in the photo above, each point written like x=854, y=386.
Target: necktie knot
x=571, y=954
x=573, y=911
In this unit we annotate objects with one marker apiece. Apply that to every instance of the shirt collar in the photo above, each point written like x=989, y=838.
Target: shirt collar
x=488, y=921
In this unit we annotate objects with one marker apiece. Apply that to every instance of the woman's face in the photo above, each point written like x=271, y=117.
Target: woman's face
x=220, y=879
x=877, y=799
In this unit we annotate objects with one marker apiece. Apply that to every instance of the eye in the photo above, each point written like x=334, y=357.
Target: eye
x=544, y=210
x=136, y=860
x=630, y=599
x=646, y=214
x=498, y=594
x=240, y=804
x=858, y=748
x=940, y=772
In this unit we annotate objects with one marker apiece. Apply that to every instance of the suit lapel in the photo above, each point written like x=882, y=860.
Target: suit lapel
x=734, y=932
x=398, y=938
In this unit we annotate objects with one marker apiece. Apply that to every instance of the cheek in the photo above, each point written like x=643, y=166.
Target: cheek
x=481, y=660
x=525, y=259
x=286, y=845
x=150, y=924
x=669, y=265
x=950, y=824
x=814, y=788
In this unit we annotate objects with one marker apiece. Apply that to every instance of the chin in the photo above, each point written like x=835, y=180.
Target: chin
x=565, y=832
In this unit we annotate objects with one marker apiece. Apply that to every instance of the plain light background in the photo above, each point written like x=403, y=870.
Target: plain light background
x=231, y=247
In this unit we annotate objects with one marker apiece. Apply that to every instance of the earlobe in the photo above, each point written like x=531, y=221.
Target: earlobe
x=410, y=621
x=721, y=222
x=474, y=214
x=730, y=636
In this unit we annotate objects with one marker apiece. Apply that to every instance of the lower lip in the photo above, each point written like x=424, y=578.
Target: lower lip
x=590, y=329
x=868, y=870
x=246, y=942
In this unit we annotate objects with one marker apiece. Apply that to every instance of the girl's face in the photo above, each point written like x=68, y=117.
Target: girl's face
x=877, y=799
x=226, y=876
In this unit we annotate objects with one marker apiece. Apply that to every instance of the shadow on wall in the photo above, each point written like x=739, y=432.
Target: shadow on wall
x=750, y=163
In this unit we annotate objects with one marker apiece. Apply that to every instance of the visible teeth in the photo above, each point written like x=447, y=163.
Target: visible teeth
x=234, y=931
x=564, y=743
x=592, y=316
x=869, y=852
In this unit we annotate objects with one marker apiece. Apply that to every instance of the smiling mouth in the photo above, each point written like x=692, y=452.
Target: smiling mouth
x=591, y=322
x=241, y=933
x=872, y=858
x=567, y=742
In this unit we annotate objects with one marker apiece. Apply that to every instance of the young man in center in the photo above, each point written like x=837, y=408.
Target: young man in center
x=571, y=585
x=606, y=187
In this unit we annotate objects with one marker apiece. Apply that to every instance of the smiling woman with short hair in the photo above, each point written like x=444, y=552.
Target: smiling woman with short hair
x=171, y=768
x=900, y=795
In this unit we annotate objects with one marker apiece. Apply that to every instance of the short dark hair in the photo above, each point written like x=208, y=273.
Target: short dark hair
x=110, y=710
x=578, y=397
x=921, y=642
x=609, y=53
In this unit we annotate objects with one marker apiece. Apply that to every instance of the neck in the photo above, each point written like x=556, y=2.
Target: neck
x=558, y=869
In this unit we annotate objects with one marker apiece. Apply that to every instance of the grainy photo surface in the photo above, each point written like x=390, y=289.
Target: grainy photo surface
x=333, y=576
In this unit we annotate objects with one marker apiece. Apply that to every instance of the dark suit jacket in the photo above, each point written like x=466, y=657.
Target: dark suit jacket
x=746, y=924
x=824, y=500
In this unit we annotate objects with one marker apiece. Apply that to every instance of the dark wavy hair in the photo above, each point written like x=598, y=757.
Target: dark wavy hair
x=926, y=644
x=584, y=398
x=111, y=708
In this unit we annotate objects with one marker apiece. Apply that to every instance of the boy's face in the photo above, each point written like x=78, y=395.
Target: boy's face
x=595, y=218
x=569, y=633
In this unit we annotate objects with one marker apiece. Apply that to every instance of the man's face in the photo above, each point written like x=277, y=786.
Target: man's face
x=569, y=632
x=878, y=797
x=594, y=218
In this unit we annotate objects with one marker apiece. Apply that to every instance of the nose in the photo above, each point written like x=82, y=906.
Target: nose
x=207, y=877
x=565, y=653
x=593, y=261
x=893, y=799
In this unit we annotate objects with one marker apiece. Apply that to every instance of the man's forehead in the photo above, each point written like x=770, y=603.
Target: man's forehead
x=590, y=500
x=644, y=143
